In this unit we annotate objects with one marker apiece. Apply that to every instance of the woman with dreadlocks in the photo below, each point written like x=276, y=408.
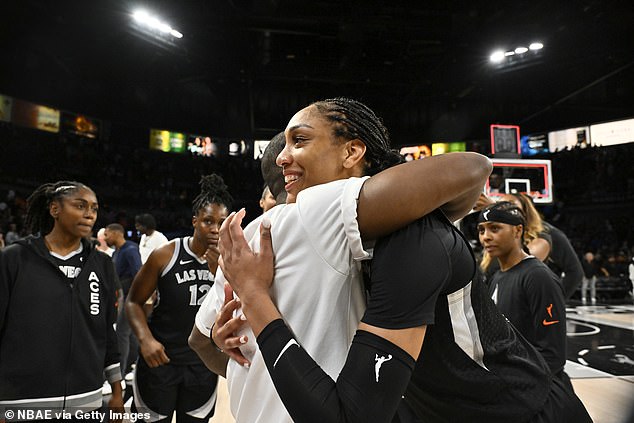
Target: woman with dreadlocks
x=57, y=308
x=169, y=375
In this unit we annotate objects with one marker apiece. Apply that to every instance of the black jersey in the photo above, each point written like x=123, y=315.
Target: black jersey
x=71, y=264
x=57, y=320
x=474, y=366
x=182, y=287
x=530, y=295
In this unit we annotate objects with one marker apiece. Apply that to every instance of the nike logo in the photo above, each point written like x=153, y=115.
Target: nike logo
x=287, y=346
x=379, y=363
x=549, y=310
x=486, y=214
x=185, y=261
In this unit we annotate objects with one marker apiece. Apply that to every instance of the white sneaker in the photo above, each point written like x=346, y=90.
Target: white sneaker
x=107, y=389
x=129, y=377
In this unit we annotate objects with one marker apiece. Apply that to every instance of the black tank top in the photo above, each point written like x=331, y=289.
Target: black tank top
x=182, y=287
x=474, y=365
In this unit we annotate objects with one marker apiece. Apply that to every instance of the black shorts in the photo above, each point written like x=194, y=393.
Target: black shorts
x=190, y=390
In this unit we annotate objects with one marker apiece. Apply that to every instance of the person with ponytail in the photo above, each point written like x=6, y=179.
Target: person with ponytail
x=57, y=308
x=169, y=375
x=525, y=290
x=344, y=190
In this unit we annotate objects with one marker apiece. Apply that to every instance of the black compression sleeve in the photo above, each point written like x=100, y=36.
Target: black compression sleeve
x=369, y=388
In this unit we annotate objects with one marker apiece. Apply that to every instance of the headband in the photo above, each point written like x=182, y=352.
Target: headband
x=512, y=217
x=64, y=188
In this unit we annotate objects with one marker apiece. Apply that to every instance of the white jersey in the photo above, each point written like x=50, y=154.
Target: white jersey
x=318, y=289
x=150, y=243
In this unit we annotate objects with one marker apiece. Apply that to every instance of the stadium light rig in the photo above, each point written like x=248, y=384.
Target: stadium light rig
x=510, y=57
x=154, y=27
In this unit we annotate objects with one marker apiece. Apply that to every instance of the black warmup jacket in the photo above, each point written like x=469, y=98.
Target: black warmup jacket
x=57, y=338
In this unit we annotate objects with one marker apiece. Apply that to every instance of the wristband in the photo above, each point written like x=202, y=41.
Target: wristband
x=211, y=339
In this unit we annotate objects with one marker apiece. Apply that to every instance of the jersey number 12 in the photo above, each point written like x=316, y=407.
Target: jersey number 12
x=194, y=290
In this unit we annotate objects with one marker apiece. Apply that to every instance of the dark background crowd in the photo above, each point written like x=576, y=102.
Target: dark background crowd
x=593, y=187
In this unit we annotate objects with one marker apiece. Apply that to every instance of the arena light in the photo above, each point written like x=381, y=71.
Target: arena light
x=497, y=56
x=153, y=23
x=518, y=56
x=536, y=46
x=140, y=16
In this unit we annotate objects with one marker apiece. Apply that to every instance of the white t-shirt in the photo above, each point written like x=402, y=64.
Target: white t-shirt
x=150, y=243
x=318, y=289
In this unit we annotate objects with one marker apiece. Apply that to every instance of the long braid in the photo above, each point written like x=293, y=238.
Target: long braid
x=38, y=217
x=354, y=120
x=212, y=191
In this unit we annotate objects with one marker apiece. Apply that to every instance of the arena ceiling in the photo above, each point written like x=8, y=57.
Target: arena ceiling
x=243, y=67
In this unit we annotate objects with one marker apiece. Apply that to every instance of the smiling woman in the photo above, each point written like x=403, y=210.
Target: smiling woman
x=55, y=285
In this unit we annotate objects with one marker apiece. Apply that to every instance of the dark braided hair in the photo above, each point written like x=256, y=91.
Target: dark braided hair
x=212, y=191
x=38, y=216
x=351, y=120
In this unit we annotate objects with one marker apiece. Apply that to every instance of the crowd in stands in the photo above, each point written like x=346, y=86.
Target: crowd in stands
x=593, y=187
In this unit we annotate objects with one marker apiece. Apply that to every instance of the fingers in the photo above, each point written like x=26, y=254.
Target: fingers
x=266, y=244
x=224, y=330
x=224, y=337
x=156, y=358
x=228, y=293
x=229, y=344
x=224, y=244
x=236, y=355
x=238, y=240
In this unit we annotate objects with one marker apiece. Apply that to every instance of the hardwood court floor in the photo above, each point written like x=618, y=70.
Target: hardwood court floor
x=600, y=362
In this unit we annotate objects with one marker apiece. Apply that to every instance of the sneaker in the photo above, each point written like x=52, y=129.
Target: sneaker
x=107, y=389
x=129, y=377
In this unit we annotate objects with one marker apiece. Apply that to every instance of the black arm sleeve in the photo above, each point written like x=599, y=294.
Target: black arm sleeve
x=369, y=388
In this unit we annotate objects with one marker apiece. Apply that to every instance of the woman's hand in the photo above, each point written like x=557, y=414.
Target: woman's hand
x=153, y=352
x=226, y=326
x=247, y=272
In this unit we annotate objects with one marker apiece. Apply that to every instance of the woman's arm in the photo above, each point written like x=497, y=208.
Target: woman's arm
x=379, y=363
x=401, y=194
x=214, y=359
x=143, y=286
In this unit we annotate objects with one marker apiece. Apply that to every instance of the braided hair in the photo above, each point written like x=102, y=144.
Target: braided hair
x=351, y=120
x=38, y=216
x=212, y=191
